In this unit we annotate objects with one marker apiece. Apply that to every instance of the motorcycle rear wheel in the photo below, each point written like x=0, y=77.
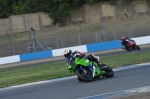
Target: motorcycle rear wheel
x=138, y=47
x=108, y=70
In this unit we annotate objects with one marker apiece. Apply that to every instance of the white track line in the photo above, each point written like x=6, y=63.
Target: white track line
x=119, y=93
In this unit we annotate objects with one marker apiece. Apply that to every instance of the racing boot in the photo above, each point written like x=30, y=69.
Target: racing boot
x=101, y=66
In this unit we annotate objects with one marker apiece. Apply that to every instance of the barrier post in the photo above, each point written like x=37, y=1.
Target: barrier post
x=10, y=44
x=80, y=34
x=56, y=34
x=129, y=27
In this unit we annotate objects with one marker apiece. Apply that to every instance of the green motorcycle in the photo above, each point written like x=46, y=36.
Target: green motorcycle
x=88, y=70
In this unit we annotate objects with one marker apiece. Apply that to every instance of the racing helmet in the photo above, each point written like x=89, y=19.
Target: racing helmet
x=67, y=52
x=122, y=38
x=78, y=54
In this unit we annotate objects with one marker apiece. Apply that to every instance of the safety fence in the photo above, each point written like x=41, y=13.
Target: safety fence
x=80, y=34
x=59, y=52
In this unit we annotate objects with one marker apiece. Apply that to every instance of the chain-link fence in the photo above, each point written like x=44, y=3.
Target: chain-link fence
x=80, y=34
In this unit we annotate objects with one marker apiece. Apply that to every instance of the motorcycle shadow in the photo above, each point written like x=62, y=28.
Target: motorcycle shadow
x=97, y=79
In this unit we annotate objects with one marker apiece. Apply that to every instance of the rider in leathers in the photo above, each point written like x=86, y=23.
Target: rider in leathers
x=124, y=42
x=68, y=54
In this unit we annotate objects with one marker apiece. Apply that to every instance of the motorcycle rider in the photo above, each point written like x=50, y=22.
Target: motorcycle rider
x=68, y=54
x=124, y=42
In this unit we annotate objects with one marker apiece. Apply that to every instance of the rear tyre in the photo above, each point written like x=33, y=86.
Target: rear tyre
x=138, y=47
x=108, y=70
x=109, y=73
x=82, y=76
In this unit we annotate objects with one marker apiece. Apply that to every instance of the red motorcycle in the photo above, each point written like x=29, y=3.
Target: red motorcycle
x=132, y=46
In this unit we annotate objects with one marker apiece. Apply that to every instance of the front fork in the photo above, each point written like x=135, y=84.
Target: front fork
x=97, y=71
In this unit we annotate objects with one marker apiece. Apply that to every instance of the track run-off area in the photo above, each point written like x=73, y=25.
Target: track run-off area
x=125, y=79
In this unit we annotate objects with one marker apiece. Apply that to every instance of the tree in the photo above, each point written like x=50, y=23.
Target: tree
x=56, y=8
x=60, y=8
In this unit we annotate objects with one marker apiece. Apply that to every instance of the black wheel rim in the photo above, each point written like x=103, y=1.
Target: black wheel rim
x=87, y=75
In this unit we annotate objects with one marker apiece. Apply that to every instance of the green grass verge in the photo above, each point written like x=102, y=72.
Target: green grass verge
x=27, y=74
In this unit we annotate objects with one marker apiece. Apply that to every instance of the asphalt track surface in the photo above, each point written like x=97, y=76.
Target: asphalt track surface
x=73, y=89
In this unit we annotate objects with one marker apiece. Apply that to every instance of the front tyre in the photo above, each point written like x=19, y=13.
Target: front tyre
x=129, y=49
x=84, y=75
x=79, y=79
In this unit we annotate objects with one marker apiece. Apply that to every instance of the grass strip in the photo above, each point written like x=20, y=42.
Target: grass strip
x=46, y=71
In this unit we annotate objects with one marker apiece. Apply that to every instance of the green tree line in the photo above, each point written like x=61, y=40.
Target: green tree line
x=56, y=8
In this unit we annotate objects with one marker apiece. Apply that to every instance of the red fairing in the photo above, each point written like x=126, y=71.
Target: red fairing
x=83, y=54
x=131, y=43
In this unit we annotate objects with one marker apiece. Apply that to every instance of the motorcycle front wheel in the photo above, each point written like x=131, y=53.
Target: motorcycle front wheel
x=84, y=75
x=129, y=49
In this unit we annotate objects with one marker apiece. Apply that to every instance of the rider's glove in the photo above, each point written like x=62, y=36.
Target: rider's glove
x=69, y=67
